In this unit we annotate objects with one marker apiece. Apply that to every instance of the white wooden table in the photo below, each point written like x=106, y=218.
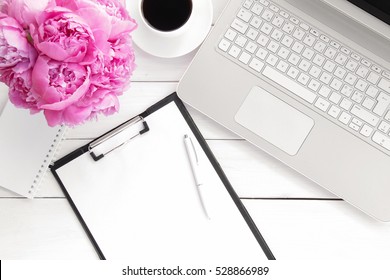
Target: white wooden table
x=297, y=218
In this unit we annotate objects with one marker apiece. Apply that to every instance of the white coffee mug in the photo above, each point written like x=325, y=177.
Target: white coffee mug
x=149, y=8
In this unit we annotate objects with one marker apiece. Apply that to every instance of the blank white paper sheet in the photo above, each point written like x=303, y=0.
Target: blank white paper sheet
x=141, y=202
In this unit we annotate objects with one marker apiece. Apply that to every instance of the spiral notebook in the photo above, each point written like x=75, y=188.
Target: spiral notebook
x=27, y=147
x=135, y=195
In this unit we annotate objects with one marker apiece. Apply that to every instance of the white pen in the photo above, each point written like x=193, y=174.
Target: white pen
x=194, y=162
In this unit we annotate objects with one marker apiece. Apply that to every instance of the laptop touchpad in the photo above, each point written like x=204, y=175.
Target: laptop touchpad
x=274, y=120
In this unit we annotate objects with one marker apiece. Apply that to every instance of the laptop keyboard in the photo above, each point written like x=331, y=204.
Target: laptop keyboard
x=332, y=79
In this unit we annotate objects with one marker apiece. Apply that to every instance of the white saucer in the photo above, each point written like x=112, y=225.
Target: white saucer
x=169, y=47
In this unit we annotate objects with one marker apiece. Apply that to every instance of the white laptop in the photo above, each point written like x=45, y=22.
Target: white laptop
x=307, y=81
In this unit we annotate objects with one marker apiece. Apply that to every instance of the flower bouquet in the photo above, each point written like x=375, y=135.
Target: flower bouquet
x=70, y=59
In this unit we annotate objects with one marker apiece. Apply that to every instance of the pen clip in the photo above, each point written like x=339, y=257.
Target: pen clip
x=124, y=135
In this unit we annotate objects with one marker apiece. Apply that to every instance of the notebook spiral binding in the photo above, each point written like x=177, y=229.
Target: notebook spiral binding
x=48, y=159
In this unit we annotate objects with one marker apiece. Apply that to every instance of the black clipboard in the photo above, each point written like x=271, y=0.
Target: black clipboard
x=88, y=148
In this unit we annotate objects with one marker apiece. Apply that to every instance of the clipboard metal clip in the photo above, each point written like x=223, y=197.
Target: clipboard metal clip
x=117, y=138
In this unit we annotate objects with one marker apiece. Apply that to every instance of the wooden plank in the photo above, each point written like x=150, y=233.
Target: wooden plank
x=41, y=229
x=253, y=173
x=319, y=230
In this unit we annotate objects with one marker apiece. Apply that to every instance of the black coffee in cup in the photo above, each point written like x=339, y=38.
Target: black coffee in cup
x=166, y=15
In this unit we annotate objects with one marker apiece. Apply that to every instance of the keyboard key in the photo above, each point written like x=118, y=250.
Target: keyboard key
x=294, y=59
x=329, y=66
x=314, y=32
x=384, y=127
x=304, y=65
x=266, y=28
x=308, y=53
x=252, y=34
x=267, y=15
x=277, y=34
x=256, y=22
x=303, y=79
x=234, y=51
x=361, y=85
x=372, y=91
x=325, y=91
x=284, y=14
x=383, y=102
x=325, y=38
x=362, y=72
x=330, y=53
x=325, y=78
x=287, y=41
x=264, y=2
x=263, y=40
x=357, y=97
x=251, y=47
x=245, y=57
x=376, y=68
x=354, y=126
x=297, y=47
x=366, y=130
x=384, y=85
x=335, y=98
x=256, y=65
x=322, y=104
x=336, y=84
x=248, y=4
x=244, y=14
x=283, y=53
x=320, y=46
x=350, y=79
x=366, y=62
x=304, y=26
x=335, y=44
x=345, y=118
x=357, y=122
x=319, y=60
x=293, y=72
x=346, y=104
x=298, y=34
x=365, y=115
x=241, y=41
x=345, y=50
x=315, y=71
x=347, y=90
x=273, y=46
x=309, y=40
x=288, y=27
x=351, y=65
x=290, y=85
x=340, y=72
x=282, y=66
x=224, y=45
x=314, y=85
x=341, y=59
x=381, y=140
x=262, y=53
x=257, y=9
x=274, y=8
x=230, y=34
x=239, y=26
x=334, y=111
x=368, y=103
x=355, y=56
x=278, y=21
x=272, y=60
x=294, y=20
x=373, y=78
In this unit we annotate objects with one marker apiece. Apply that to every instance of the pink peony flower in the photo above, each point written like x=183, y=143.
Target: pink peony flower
x=64, y=36
x=70, y=59
x=24, y=11
x=16, y=53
